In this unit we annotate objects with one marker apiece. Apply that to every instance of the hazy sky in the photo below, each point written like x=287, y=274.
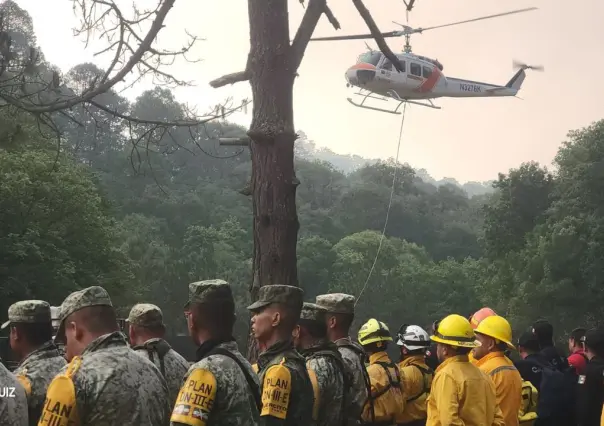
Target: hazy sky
x=468, y=139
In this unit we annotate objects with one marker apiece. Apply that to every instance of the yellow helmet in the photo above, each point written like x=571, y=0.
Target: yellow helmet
x=498, y=328
x=374, y=331
x=455, y=330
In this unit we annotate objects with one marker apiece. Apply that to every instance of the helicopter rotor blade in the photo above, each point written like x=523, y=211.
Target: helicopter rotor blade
x=512, y=12
x=357, y=36
x=517, y=65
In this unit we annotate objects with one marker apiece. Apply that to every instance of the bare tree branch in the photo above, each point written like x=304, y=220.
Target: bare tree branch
x=309, y=22
x=233, y=78
x=377, y=35
x=307, y=27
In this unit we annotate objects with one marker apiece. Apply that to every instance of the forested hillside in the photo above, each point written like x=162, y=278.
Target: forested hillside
x=103, y=206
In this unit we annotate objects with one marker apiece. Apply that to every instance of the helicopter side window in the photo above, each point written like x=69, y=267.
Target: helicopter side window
x=415, y=69
x=387, y=65
x=427, y=72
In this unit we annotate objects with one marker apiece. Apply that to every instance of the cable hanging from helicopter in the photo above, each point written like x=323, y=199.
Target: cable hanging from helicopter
x=420, y=79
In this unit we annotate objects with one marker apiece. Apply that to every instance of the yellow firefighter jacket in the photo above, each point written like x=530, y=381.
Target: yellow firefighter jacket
x=508, y=384
x=417, y=379
x=462, y=395
x=386, y=391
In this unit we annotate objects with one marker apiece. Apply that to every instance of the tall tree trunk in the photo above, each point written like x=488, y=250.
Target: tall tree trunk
x=272, y=134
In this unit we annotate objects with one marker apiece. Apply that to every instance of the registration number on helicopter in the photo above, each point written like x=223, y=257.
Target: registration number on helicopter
x=470, y=88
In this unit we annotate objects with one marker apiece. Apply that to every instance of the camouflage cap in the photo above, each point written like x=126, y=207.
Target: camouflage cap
x=336, y=303
x=28, y=311
x=313, y=312
x=210, y=291
x=86, y=298
x=146, y=315
x=278, y=293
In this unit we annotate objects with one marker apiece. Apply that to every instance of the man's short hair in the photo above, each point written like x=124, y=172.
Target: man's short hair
x=35, y=333
x=97, y=319
x=316, y=329
x=343, y=321
x=217, y=318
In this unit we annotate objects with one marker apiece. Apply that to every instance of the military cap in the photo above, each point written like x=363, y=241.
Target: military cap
x=86, y=298
x=146, y=315
x=278, y=293
x=210, y=291
x=336, y=303
x=28, y=311
x=313, y=312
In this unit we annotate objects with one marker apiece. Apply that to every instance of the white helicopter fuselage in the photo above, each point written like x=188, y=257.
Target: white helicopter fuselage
x=422, y=78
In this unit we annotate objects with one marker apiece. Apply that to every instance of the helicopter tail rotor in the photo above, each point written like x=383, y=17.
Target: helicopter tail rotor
x=520, y=65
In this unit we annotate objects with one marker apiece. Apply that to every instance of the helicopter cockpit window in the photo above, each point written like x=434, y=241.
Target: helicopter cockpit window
x=370, y=58
x=427, y=72
x=387, y=65
x=415, y=69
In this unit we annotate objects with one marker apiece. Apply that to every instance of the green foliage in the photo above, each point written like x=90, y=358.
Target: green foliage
x=146, y=213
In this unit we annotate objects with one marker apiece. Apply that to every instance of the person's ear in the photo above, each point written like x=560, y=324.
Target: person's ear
x=332, y=322
x=276, y=319
x=78, y=332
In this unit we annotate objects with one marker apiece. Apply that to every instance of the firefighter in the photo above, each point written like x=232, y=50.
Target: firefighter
x=460, y=393
x=384, y=376
x=415, y=374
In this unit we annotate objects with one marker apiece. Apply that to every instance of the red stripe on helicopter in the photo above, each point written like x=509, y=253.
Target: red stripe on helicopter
x=430, y=82
x=362, y=66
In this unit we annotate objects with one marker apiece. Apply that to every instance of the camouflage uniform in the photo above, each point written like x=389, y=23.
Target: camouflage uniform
x=327, y=373
x=37, y=370
x=171, y=364
x=13, y=411
x=113, y=385
x=352, y=354
x=54, y=315
x=287, y=392
x=220, y=389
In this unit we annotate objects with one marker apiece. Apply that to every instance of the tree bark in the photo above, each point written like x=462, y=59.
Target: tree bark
x=272, y=134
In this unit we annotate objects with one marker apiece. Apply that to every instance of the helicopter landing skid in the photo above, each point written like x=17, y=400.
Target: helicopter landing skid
x=396, y=97
x=368, y=95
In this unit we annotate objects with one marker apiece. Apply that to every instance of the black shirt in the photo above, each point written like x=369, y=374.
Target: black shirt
x=553, y=357
x=590, y=393
x=530, y=368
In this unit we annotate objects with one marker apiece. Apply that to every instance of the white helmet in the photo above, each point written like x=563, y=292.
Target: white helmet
x=413, y=337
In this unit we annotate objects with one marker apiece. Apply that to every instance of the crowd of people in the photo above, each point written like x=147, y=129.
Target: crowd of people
x=86, y=372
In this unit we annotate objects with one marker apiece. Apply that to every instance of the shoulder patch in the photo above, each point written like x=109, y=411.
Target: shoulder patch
x=317, y=393
x=276, y=390
x=60, y=404
x=25, y=383
x=581, y=380
x=195, y=399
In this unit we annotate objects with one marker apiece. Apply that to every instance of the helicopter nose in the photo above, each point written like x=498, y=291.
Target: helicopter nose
x=360, y=74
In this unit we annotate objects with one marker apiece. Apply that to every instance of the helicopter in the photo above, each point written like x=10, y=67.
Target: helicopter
x=421, y=78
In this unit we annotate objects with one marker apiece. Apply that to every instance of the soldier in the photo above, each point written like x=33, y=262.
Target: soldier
x=221, y=387
x=105, y=383
x=13, y=401
x=146, y=331
x=39, y=359
x=325, y=367
x=340, y=314
x=287, y=393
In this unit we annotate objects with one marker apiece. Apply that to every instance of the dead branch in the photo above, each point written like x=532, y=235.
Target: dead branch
x=30, y=87
x=307, y=27
x=233, y=78
x=309, y=22
x=377, y=34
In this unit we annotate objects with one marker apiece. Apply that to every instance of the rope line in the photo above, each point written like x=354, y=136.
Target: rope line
x=398, y=149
